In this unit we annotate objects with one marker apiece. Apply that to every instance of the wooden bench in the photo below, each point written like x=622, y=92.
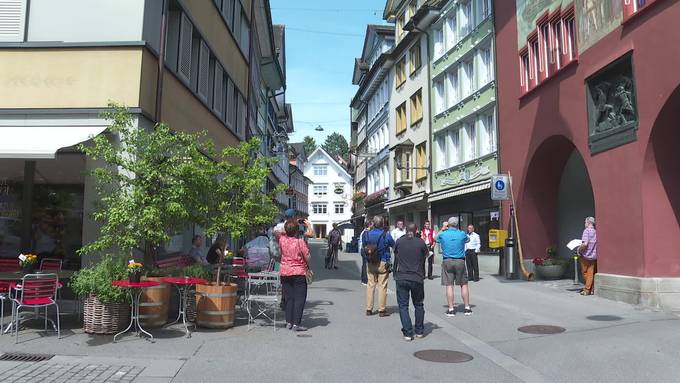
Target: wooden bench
x=174, y=261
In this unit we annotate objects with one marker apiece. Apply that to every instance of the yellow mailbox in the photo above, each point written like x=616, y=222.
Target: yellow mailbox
x=497, y=238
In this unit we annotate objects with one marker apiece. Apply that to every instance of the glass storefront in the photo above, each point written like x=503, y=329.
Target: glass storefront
x=475, y=209
x=41, y=207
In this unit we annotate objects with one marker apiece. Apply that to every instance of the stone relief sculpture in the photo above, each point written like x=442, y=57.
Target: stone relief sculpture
x=613, y=104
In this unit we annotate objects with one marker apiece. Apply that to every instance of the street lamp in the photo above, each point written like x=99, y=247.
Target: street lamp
x=319, y=128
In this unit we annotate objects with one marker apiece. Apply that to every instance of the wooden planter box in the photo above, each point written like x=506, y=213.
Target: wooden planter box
x=154, y=304
x=104, y=318
x=215, y=305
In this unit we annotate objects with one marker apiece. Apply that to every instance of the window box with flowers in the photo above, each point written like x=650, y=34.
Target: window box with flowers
x=358, y=197
x=550, y=267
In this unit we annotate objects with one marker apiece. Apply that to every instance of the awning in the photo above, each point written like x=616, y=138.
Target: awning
x=42, y=141
x=460, y=191
x=405, y=200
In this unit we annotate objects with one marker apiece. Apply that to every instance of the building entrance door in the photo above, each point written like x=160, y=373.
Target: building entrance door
x=320, y=230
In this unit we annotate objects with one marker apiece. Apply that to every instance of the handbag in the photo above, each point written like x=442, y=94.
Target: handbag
x=309, y=274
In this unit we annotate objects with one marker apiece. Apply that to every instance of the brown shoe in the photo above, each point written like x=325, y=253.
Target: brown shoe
x=369, y=313
x=383, y=314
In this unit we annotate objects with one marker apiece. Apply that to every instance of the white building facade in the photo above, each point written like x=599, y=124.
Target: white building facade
x=330, y=194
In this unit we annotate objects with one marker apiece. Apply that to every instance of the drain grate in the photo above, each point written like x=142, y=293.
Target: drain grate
x=443, y=356
x=541, y=329
x=23, y=357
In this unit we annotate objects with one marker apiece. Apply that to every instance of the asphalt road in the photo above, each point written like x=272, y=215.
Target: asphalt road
x=603, y=341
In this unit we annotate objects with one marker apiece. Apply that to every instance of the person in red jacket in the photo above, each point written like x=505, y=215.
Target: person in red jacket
x=428, y=235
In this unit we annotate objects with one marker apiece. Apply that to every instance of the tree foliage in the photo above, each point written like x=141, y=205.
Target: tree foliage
x=310, y=144
x=336, y=145
x=158, y=182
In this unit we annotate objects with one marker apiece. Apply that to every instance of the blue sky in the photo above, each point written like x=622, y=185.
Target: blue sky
x=322, y=40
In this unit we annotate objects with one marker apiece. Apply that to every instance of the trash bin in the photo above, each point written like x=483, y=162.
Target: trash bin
x=510, y=261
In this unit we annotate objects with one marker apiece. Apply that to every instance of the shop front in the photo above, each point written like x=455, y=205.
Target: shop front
x=473, y=207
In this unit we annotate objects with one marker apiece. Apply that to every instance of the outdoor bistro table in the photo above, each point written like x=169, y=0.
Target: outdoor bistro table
x=134, y=287
x=183, y=285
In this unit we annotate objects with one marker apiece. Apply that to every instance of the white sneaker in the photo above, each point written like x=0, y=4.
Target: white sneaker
x=364, y=284
x=468, y=311
x=408, y=338
x=451, y=312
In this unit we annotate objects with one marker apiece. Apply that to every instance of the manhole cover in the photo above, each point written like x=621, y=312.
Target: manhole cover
x=443, y=356
x=304, y=336
x=541, y=329
x=23, y=357
x=604, y=318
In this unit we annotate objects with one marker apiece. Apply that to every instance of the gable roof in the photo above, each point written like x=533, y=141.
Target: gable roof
x=330, y=160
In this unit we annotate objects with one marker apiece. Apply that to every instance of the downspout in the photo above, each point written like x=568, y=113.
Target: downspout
x=250, y=68
x=429, y=116
x=161, y=62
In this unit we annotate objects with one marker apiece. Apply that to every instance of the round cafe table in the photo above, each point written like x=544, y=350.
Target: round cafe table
x=183, y=285
x=135, y=292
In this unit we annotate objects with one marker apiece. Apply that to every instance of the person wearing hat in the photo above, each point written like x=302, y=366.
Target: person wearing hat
x=588, y=255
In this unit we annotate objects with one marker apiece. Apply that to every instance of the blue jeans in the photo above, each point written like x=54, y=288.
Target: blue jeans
x=417, y=293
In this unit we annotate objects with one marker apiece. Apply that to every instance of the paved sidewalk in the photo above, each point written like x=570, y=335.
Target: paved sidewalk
x=604, y=341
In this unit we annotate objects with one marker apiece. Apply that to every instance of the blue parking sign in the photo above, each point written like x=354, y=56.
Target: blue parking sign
x=499, y=187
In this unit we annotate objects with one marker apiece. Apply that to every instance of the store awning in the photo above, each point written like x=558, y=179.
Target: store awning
x=460, y=191
x=36, y=142
x=413, y=198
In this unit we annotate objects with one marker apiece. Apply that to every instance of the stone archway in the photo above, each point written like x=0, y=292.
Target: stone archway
x=556, y=196
x=661, y=192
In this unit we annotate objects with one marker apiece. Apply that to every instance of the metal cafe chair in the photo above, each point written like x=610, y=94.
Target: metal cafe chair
x=10, y=265
x=50, y=264
x=36, y=291
x=263, y=295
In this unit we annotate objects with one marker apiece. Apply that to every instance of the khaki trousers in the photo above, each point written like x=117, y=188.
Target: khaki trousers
x=588, y=268
x=377, y=276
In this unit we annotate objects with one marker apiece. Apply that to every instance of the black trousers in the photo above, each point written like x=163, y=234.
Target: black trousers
x=295, y=292
x=472, y=265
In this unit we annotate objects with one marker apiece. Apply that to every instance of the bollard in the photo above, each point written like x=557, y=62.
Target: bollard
x=510, y=261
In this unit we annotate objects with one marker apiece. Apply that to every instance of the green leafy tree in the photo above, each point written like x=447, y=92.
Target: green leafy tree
x=336, y=145
x=154, y=183
x=241, y=201
x=310, y=144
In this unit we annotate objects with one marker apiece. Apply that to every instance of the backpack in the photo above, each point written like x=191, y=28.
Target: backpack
x=371, y=249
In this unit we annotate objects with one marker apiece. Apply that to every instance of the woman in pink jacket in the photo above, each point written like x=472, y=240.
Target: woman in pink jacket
x=294, y=263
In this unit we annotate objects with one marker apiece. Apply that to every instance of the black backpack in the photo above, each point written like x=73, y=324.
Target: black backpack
x=371, y=249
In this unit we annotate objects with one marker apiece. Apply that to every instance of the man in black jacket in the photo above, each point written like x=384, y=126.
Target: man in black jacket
x=410, y=253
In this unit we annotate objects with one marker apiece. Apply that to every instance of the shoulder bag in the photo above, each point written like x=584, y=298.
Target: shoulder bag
x=309, y=274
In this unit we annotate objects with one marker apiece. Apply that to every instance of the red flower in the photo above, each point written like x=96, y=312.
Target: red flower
x=538, y=261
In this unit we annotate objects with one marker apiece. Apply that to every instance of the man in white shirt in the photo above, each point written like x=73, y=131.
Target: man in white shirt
x=398, y=231
x=472, y=248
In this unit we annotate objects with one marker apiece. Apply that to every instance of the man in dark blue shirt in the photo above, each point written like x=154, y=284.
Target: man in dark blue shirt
x=410, y=253
x=452, y=242
x=378, y=273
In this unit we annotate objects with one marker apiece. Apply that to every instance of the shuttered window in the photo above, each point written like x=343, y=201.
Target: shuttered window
x=203, y=72
x=12, y=20
x=218, y=92
x=185, y=47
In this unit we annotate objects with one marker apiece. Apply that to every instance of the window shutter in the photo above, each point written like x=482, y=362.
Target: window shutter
x=185, y=42
x=12, y=20
x=218, y=101
x=203, y=71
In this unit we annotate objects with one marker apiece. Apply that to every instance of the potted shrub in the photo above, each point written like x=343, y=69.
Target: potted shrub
x=28, y=262
x=106, y=307
x=550, y=267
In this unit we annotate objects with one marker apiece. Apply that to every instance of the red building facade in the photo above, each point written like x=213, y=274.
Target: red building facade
x=589, y=122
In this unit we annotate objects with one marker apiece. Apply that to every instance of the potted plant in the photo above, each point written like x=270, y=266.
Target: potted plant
x=28, y=262
x=134, y=270
x=106, y=307
x=194, y=271
x=239, y=205
x=550, y=267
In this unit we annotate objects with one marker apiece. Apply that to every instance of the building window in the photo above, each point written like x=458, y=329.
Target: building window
x=400, y=69
x=415, y=58
x=484, y=9
x=12, y=20
x=417, y=107
x=404, y=174
x=320, y=190
x=533, y=63
x=524, y=71
x=412, y=8
x=339, y=207
x=320, y=208
x=421, y=161
x=468, y=78
x=452, y=91
x=450, y=31
x=440, y=142
x=465, y=18
x=469, y=146
x=557, y=42
x=401, y=119
x=401, y=21
x=631, y=7
x=439, y=99
x=571, y=36
x=545, y=53
x=487, y=134
x=320, y=170
x=485, y=66
x=438, y=42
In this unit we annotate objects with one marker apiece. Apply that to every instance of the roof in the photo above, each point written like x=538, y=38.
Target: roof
x=330, y=158
x=299, y=148
x=360, y=65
